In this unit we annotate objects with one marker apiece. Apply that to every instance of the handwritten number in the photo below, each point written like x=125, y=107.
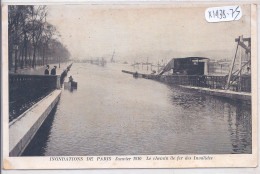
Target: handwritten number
x=238, y=12
x=235, y=11
x=221, y=14
x=227, y=13
x=224, y=15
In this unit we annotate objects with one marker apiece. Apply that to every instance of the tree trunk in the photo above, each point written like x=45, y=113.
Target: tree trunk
x=34, y=57
x=15, y=61
x=30, y=56
x=39, y=55
x=22, y=61
x=19, y=57
x=25, y=54
x=43, y=55
x=23, y=50
x=47, y=54
x=10, y=57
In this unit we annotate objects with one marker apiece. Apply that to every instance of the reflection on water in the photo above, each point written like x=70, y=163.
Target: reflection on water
x=111, y=113
x=42, y=136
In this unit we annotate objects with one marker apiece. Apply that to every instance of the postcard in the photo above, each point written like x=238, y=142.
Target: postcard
x=129, y=85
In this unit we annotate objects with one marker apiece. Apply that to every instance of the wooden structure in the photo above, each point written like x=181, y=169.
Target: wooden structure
x=235, y=77
x=193, y=71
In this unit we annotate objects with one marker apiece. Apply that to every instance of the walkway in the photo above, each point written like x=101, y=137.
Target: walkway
x=245, y=96
x=39, y=70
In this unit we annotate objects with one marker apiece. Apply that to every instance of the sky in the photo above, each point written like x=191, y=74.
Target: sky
x=138, y=32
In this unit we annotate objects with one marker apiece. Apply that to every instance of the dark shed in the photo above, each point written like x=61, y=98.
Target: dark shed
x=187, y=66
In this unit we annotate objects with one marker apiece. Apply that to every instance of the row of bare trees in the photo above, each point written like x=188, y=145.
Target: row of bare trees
x=32, y=40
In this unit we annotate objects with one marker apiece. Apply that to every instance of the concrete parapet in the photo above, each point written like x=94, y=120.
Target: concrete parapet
x=58, y=86
x=245, y=96
x=23, y=128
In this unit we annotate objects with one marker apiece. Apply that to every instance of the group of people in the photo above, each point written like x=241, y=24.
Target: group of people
x=53, y=70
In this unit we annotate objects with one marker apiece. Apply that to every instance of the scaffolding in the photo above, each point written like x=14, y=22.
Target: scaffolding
x=243, y=58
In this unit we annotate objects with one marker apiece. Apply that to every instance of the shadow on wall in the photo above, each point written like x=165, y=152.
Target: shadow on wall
x=38, y=144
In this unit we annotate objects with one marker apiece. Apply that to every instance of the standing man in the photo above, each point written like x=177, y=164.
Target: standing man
x=70, y=79
x=46, y=72
x=53, y=71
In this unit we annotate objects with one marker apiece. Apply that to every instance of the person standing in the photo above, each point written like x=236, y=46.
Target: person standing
x=70, y=79
x=46, y=72
x=53, y=71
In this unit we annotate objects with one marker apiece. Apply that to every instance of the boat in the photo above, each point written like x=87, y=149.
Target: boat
x=137, y=75
x=71, y=84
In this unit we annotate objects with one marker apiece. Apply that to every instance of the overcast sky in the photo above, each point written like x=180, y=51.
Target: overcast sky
x=140, y=32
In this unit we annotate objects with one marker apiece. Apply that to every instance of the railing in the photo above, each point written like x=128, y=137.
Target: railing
x=25, y=90
x=212, y=82
x=64, y=74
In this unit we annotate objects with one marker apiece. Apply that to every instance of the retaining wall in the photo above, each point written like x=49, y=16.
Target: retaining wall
x=23, y=128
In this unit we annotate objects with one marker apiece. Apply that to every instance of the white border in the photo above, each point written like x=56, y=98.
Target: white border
x=254, y=119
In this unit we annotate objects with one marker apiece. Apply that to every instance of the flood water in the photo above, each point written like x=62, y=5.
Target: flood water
x=112, y=113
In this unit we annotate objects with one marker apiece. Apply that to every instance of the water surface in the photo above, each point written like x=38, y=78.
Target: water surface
x=112, y=113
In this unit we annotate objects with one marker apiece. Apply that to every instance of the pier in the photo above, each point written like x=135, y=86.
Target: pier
x=193, y=73
x=210, y=85
x=245, y=96
x=31, y=100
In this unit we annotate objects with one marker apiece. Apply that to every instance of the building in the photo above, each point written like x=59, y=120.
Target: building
x=187, y=66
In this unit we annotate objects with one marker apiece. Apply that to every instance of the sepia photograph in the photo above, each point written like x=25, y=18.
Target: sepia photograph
x=129, y=82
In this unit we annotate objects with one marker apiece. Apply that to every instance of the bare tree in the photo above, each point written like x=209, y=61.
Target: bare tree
x=31, y=37
x=37, y=17
x=48, y=33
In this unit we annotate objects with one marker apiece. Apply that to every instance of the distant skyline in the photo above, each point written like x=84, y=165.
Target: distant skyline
x=139, y=32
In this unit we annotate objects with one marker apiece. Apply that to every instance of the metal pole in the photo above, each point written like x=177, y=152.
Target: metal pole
x=230, y=72
x=240, y=69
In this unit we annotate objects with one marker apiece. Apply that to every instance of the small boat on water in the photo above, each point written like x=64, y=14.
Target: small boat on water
x=137, y=75
x=74, y=84
x=71, y=84
x=68, y=85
